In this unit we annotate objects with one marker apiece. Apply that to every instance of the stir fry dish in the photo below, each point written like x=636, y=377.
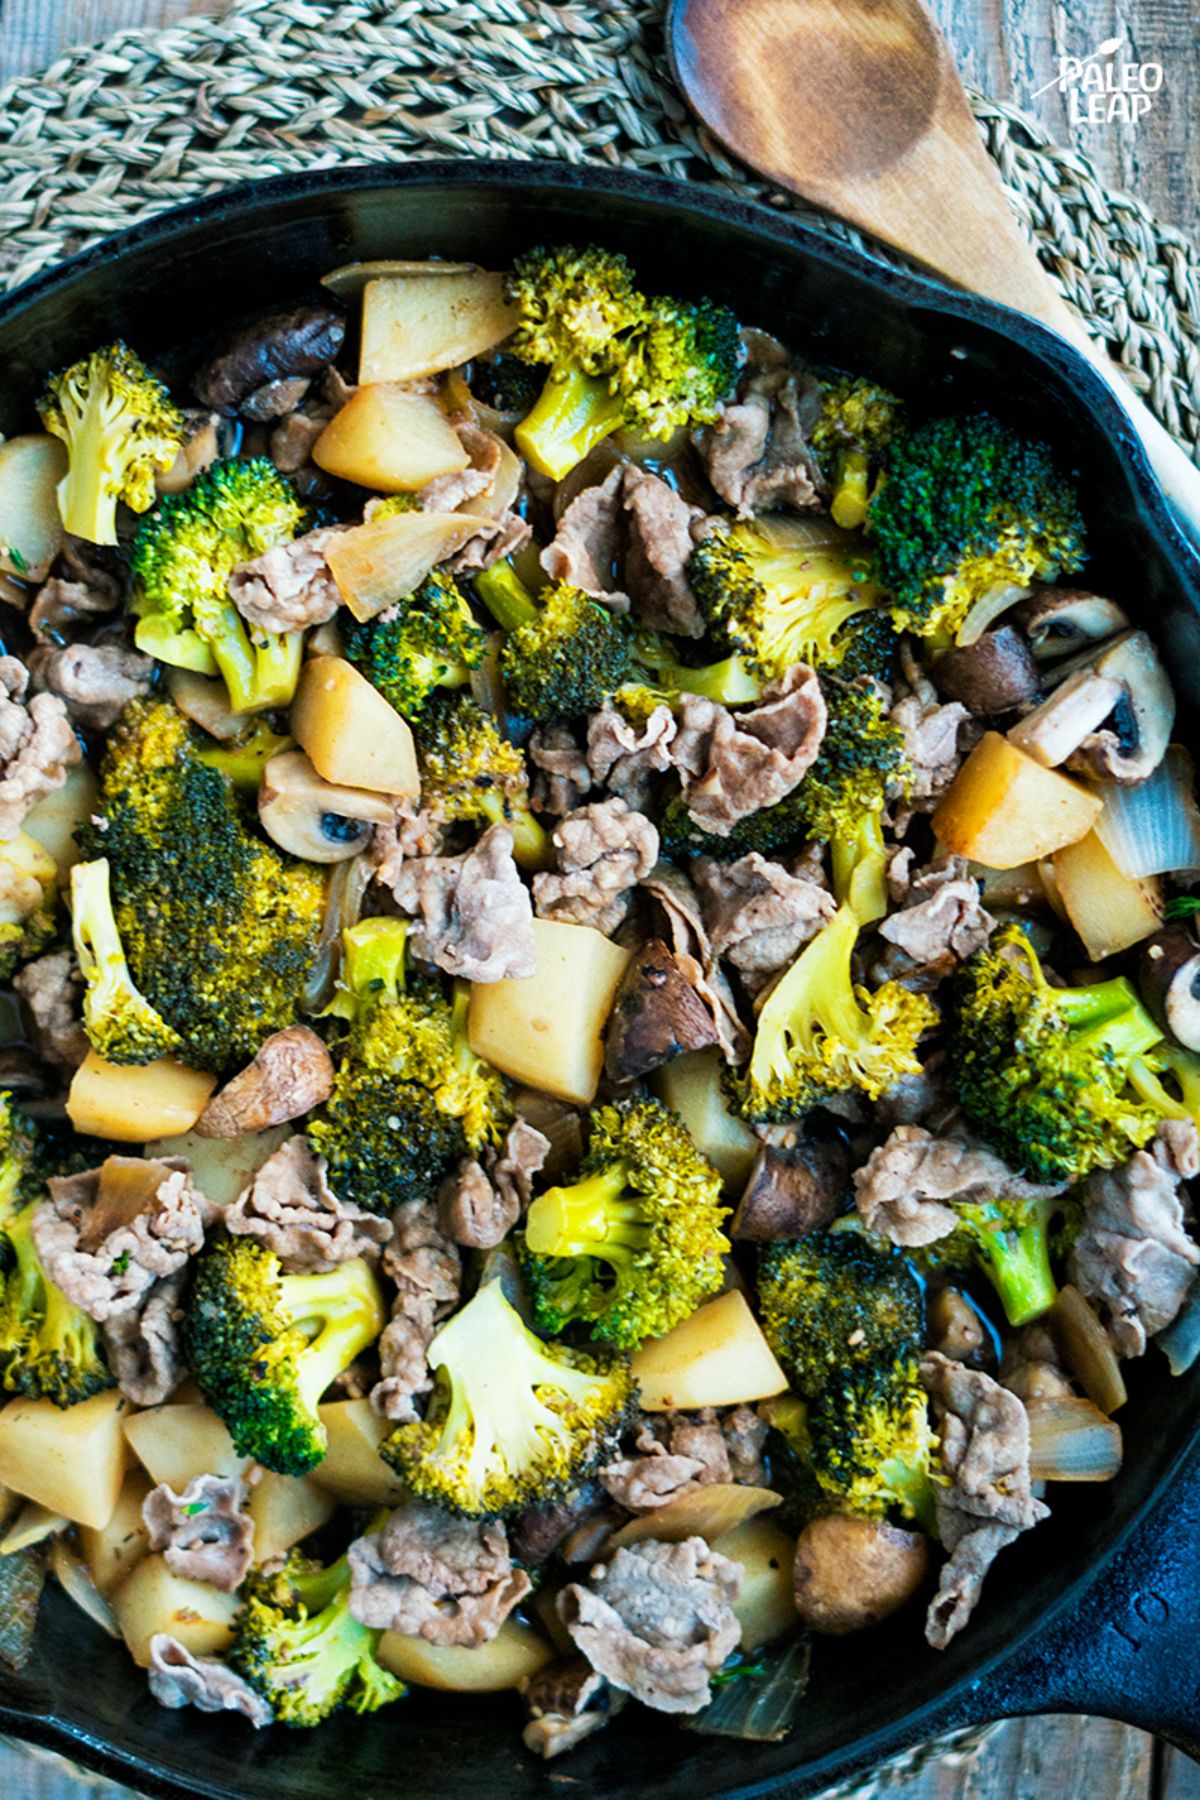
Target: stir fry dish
x=604, y=1036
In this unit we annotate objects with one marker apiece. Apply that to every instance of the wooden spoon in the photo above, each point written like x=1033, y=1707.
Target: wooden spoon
x=856, y=106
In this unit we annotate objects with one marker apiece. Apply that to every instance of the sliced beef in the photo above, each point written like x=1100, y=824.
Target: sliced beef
x=426, y=1270
x=205, y=1533
x=603, y=851
x=936, y=736
x=95, y=682
x=757, y=453
x=757, y=914
x=624, y=758
x=734, y=764
x=290, y=1209
x=290, y=1074
x=144, y=1344
x=105, y=1261
x=177, y=1678
x=906, y=1188
x=450, y=493
x=253, y=371
x=476, y=487
x=478, y=1206
x=587, y=549
x=944, y=922
x=475, y=913
x=37, y=745
x=561, y=779
x=88, y=582
x=290, y=586
x=690, y=946
x=429, y=1575
x=660, y=528
x=52, y=990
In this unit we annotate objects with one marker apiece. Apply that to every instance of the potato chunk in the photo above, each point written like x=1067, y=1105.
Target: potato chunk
x=691, y=1086
x=71, y=1462
x=385, y=559
x=353, y=1470
x=390, y=440
x=31, y=530
x=54, y=819
x=285, y=1508
x=223, y=1167
x=548, y=1031
x=134, y=1105
x=1003, y=809
x=516, y=1651
x=420, y=323
x=1109, y=910
x=176, y=1443
x=152, y=1599
x=718, y=1357
x=112, y=1550
x=352, y=736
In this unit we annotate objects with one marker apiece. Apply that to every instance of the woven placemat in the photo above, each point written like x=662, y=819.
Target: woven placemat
x=110, y=136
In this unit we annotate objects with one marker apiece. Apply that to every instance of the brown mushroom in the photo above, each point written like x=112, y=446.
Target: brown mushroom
x=1060, y=621
x=1134, y=742
x=291, y=1074
x=853, y=1572
x=992, y=675
x=1066, y=718
x=955, y=1328
x=793, y=1191
x=1169, y=977
x=657, y=1015
x=265, y=355
x=200, y=448
x=312, y=818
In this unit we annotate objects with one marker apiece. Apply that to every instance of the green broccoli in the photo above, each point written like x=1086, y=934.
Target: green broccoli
x=863, y=761
x=20, y=1158
x=774, y=832
x=183, y=557
x=563, y=653
x=28, y=902
x=857, y=421
x=506, y=383
x=120, y=1022
x=872, y=1444
x=1014, y=1243
x=1043, y=1073
x=265, y=1346
x=777, y=600
x=513, y=1420
x=121, y=428
x=616, y=357
x=49, y=1349
x=967, y=506
x=222, y=932
x=470, y=772
x=424, y=643
x=660, y=679
x=820, y=1034
x=299, y=1646
x=410, y=1098
x=636, y=1243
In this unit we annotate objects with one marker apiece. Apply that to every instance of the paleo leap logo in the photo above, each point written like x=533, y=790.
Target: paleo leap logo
x=1102, y=91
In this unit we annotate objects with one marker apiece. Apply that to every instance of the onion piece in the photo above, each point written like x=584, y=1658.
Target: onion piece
x=806, y=534
x=708, y=1511
x=75, y=1579
x=1180, y=1342
x=1071, y=1440
x=1153, y=826
x=762, y=1708
x=1087, y=1351
x=987, y=608
x=348, y=280
x=32, y=1525
x=343, y=903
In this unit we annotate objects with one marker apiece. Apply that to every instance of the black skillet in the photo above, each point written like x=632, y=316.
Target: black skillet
x=1096, y=1611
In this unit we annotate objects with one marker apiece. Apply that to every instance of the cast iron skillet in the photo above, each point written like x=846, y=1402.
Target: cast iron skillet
x=1099, y=1609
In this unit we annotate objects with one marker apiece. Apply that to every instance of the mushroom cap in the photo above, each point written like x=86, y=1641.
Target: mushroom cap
x=312, y=818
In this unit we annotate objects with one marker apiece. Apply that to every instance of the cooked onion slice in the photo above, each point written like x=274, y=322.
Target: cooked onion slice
x=708, y=1512
x=1086, y=1348
x=1153, y=826
x=1071, y=1440
x=75, y=1580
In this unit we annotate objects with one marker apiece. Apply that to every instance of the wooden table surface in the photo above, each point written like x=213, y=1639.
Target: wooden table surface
x=1007, y=48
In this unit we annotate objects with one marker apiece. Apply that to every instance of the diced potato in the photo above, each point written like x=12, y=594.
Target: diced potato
x=53, y=820
x=223, y=1167
x=352, y=736
x=31, y=532
x=152, y=1599
x=516, y=1651
x=112, y=1550
x=548, y=1031
x=285, y=1508
x=1002, y=808
x=385, y=559
x=176, y=1443
x=390, y=440
x=718, y=1357
x=420, y=324
x=353, y=1470
x=71, y=1461
x=691, y=1086
x=1109, y=910
x=766, y=1602
x=135, y=1104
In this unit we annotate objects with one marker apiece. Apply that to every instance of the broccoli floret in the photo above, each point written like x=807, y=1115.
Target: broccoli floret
x=28, y=902
x=870, y=646
x=857, y=421
x=506, y=383
x=862, y=762
x=1014, y=1243
x=299, y=1646
x=773, y=832
x=410, y=1097
x=424, y=643
x=20, y=1158
x=1043, y=1073
x=264, y=1346
x=820, y=1034
x=121, y=428
x=120, y=1022
x=222, y=931
x=636, y=1243
x=965, y=506
x=776, y=601
x=563, y=652
x=659, y=679
x=182, y=559
x=49, y=1349
x=872, y=1444
x=513, y=1420
x=470, y=772
x=616, y=358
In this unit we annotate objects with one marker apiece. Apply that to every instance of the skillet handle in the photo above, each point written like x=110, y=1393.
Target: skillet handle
x=1131, y=1649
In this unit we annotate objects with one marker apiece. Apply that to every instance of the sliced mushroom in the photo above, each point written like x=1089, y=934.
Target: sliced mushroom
x=1060, y=621
x=1063, y=721
x=312, y=818
x=793, y=1191
x=200, y=448
x=992, y=675
x=1135, y=740
x=256, y=363
x=291, y=1074
x=853, y=1572
x=657, y=1015
x=1169, y=978
x=204, y=699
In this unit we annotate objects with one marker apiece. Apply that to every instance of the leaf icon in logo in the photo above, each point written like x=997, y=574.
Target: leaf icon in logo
x=1111, y=44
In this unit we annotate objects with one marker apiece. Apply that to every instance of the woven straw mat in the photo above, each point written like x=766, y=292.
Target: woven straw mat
x=108, y=137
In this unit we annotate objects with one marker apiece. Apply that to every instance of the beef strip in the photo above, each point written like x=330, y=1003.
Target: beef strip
x=1134, y=1259
x=561, y=779
x=291, y=1073
x=734, y=764
x=290, y=1209
x=906, y=1187
x=52, y=990
x=177, y=1678
x=587, y=548
x=624, y=758
x=943, y=923
x=657, y=1621
x=288, y=587
x=251, y=370
x=468, y=489
x=144, y=1345
x=475, y=913
x=936, y=737
x=205, y=1533
x=603, y=851
x=479, y=1206
x=88, y=582
x=425, y=1267
x=757, y=453
x=660, y=535
x=108, y=1274
x=448, y=1580
x=95, y=682
x=37, y=745
x=757, y=914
